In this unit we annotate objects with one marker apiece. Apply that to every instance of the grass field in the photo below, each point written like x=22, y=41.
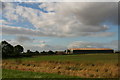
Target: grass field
x=106, y=58
x=84, y=65
x=25, y=74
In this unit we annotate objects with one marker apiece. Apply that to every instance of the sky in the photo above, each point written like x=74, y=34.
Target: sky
x=60, y=25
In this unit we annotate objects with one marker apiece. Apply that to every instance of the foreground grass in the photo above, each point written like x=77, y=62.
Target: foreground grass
x=6, y=73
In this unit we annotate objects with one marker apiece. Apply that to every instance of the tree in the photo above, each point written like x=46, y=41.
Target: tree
x=7, y=49
x=50, y=52
x=36, y=52
x=27, y=54
x=18, y=49
x=43, y=53
x=28, y=51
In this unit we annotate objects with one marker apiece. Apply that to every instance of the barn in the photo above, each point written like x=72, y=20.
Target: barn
x=88, y=50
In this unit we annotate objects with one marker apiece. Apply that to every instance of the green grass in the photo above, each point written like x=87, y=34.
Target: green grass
x=6, y=73
x=108, y=58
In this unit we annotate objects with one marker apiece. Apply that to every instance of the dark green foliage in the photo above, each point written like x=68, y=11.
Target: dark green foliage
x=43, y=53
x=36, y=52
x=18, y=49
x=7, y=49
x=28, y=51
x=50, y=52
x=10, y=51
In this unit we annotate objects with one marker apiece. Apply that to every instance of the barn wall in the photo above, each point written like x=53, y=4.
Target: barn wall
x=92, y=51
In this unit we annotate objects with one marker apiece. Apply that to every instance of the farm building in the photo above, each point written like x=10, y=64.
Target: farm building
x=88, y=50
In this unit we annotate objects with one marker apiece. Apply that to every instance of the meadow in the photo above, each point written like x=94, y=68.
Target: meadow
x=81, y=65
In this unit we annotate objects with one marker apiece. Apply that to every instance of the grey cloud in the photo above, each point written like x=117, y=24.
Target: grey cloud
x=89, y=13
x=99, y=12
x=23, y=39
x=19, y=31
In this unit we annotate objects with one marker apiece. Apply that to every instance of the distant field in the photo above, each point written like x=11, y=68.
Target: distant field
x=106, y=58
x=82, y=65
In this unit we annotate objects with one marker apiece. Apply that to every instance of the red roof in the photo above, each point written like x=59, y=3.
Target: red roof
x=90, y=49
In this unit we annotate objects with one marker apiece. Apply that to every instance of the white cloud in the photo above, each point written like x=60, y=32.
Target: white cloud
x=41, y=41
x=45, y=47
x=86, y=44
x=39, y=46
x=34, y=44
x=67, y=20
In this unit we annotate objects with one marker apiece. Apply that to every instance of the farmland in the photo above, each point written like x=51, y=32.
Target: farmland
x=84, y=65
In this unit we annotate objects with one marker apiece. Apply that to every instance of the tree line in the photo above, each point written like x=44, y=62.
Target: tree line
x=9, y=50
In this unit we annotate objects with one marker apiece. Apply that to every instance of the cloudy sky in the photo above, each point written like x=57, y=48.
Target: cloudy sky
x=60, y=25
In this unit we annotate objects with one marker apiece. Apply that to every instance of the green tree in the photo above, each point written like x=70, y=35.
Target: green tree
x=28, y=51
x=43, y=53
x=36, y=52
x=18, y=49
x=50, y=52
x=7, y=49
